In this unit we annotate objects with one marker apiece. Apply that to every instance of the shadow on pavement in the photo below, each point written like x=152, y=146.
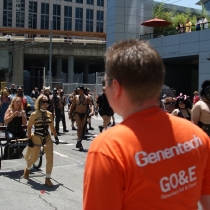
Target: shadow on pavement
x=32, y=181
x=84, y=150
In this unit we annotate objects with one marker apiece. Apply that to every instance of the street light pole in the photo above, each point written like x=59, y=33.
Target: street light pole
x=50, y=58
x=44, y=77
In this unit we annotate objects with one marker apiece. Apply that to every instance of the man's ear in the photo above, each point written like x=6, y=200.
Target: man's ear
x=117, y=89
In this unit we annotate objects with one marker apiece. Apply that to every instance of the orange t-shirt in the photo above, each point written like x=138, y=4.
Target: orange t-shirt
x=152, y=160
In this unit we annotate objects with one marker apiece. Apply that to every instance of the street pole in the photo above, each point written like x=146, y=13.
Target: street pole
x=44, y=77
x=50, y=58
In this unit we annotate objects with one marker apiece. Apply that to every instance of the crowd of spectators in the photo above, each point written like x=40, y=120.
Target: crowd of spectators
x=201, y=24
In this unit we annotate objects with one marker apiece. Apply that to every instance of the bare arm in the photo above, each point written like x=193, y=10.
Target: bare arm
x=195, y=114
x=24, y=119
x=9, y=115
x=72, y=105
x=205, y=202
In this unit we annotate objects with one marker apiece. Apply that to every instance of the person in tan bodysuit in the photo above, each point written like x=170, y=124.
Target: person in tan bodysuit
x=41, y=119
x=80, y=103
x=201, y=110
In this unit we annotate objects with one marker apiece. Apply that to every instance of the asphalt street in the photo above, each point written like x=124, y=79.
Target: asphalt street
x=19, y=194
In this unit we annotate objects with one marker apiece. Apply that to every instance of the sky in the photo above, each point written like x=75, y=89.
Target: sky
x=184, y=3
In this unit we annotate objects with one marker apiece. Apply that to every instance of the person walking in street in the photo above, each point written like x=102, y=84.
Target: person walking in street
x=72, y=117
x=200, y=111
x=89, y=109
x=56, y=99
x=152, y=159
x=81, y=103
x=41, y=119
x=104, y=109
x=63, y=101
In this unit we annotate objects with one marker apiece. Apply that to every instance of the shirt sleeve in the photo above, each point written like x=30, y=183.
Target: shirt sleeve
x=103, y=183
x=206, y=184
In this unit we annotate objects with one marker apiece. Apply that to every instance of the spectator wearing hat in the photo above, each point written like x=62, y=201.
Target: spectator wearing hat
x=196, y=97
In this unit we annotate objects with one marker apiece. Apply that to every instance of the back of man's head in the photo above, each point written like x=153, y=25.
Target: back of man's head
x=137, y=67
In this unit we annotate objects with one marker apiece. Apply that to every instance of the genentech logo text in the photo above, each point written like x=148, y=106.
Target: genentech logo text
x=142, y=158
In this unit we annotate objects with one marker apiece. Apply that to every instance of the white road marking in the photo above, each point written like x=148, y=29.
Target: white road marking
x=70, y=144
x=57, y=153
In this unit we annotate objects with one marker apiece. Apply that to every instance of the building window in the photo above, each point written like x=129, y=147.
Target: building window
x=100, y=20
x=69, y=0
x=20, y=13
x=100, y=3
x=67, y=18
x=32, y=15
x=44, y=16
x=79, y=19
x=7, y=13
x=90, y=2
x=89, y=20
x=79, y=1
x=56, y=16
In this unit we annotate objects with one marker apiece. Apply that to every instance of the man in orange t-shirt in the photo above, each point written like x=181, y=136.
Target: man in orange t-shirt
x=152, y=160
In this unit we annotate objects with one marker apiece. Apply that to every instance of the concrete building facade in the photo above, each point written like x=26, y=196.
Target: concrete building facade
x=68, y=58
x=72, y=15
x=124, y=19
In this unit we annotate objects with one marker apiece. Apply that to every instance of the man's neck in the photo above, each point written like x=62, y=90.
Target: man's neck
x=132, y=108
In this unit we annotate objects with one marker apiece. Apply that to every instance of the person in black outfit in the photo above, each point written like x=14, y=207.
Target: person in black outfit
x=183, y=107
x=35, y=94
x=58, y=109
x=63, y=101
x=104, y=109
x=12, y=90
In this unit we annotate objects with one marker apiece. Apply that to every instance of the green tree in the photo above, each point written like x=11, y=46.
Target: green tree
x=160, y=12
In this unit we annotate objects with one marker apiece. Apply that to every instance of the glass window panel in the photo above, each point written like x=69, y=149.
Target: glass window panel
x=7, y=13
